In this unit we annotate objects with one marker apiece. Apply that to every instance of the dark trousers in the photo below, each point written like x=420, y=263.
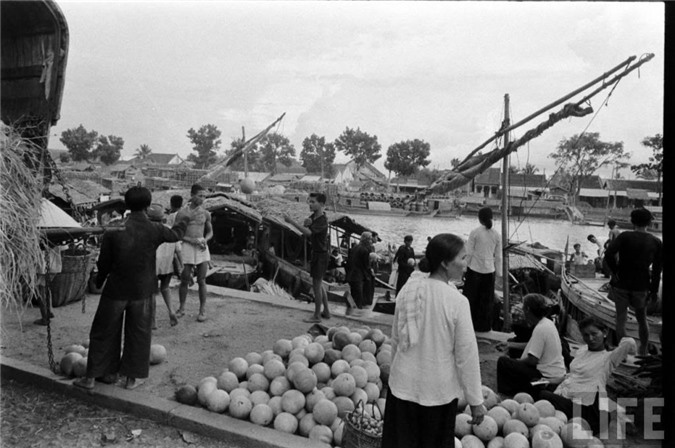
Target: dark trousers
x=401, y=279
x=411, y=425
x=480, y=290
x=362, y=292
x=113, y=317
x=590, y=413
x=514, y=376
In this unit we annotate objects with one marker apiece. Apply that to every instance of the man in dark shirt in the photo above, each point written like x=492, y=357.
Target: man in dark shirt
x=405, y=257
x=631, y=282
x=126, y=264
x=316, y=228
x=360, y=275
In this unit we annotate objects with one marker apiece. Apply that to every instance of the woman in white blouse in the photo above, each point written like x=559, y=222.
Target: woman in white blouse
x=435, y=353
x=484, y=251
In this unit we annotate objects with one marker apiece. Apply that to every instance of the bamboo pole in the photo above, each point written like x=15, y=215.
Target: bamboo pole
x=505, y=222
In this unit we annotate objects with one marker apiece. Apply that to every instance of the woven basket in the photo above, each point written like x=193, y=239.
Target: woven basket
x=355, y=438
x=70, y=284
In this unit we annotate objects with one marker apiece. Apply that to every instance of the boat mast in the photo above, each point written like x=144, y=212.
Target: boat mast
x=243, y=139
x=505, y=220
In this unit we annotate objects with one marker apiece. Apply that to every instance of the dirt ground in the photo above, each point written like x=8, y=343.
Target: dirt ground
x=195, y=350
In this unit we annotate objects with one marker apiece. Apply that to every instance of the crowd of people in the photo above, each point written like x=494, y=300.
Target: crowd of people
x=435, y=353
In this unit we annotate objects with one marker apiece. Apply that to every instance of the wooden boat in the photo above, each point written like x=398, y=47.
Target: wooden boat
x=581, y=298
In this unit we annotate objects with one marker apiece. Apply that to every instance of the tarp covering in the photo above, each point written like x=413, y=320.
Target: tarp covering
x=52, y=216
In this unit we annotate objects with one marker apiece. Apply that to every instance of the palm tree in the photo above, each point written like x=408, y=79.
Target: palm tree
x=529, y=169
x=143, y=152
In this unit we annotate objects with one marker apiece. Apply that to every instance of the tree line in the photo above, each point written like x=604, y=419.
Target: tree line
x=576, y=158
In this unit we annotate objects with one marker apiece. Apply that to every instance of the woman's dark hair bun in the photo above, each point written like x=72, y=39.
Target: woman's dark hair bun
x=424, y=265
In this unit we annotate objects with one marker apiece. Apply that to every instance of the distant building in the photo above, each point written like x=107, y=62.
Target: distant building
x=347, y=173
x=487, y=183
x=158, y=159
x=632, y=192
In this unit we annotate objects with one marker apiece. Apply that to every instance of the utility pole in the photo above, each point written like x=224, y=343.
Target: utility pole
x=505, y=221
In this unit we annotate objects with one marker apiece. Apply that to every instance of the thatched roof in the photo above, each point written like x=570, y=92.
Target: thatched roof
x=221, y=200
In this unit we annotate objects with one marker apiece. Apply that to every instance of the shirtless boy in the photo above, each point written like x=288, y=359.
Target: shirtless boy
x=195, y=251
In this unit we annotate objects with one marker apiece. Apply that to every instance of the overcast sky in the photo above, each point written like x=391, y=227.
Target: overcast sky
x=437, y=71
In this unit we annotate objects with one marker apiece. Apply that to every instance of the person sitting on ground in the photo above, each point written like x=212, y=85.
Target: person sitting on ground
x=542, y=357
x=126, y=264
x=589, y=371
x=578, y=257
x=164, y=266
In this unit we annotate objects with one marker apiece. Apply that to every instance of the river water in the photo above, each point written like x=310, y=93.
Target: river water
x=550, y=233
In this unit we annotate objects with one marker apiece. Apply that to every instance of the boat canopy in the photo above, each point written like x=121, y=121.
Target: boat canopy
x=347, y=224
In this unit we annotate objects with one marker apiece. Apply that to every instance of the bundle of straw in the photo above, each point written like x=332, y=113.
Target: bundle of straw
x=20, y=196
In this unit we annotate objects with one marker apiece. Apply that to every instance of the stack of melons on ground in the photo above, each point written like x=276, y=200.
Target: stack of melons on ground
x=521, y=423
x=303, y=385
x=74, y=362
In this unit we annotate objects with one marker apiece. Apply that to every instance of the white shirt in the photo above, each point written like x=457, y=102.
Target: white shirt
x=443, y=364
x=484, y=251
x=589, y=371
x=545, y=345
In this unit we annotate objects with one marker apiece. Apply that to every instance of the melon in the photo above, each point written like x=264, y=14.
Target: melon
x=262, y=414
x=546, y=438
x=305, y=380
x=357, y=362
x=312, y=398
x=273, y=368
x=283, y=348
x=301, y=413
x=359, y=397
x=238, y=366
x=306, y=424
x=368, y=346
x=321, y=433
x=331, y=355
x=254, y=358
x=545, y=408
x=239, y=392
x=500, y=415
x=80, y=367
x=373, y=411
x=372, y=392
x=207, y=379
x=553, y=423
x=299, y=342
x=341, y=340
x=325, y=412
x=328, y=392
x=471, y=441
x=259, y=397
x=186, y=394
x=573, y=434
x=243, y=385
x=292, y=401
x=344, y=405
x=376, y=336
x=293, y=369
x=344, y=385
x=463, y=425
x=240, y=407
x=340, y=366
x=75, y=348
x=510, y=405
x=497, y=442
x=286, y=422
x=384, y=357
x=275, y=405
x=227, y=381
x=487, y=429
x=367, y=356
x=268, y=355
x=373, y=371
x=320, y=339
x=490, y=398
x=538, y=427
x=258, y=381
x=217, y=401
x=351, y=352
x=560, y=415
x=204, y=391
x=514, y=425
x=331, y=332
x=355, y=338
x=516, y=440
x=298, y=358
x=247, y=185
x=523, y=397
x=279, y=385
x=527, y=414
x=254, y=368
x=314, y=353
x=68, y=362
x=360, y=376
x=322, y=372
x=581, y=421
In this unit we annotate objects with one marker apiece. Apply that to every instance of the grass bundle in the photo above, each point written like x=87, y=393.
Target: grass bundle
x=20, y=196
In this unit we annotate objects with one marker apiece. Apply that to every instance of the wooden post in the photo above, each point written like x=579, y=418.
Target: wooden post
x=505, y=222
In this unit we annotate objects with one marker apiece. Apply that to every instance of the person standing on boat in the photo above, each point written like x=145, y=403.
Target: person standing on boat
x=613, y=231
x=484, y=252
x=631, y=283
x=578, y=257
x=405, y=258
x=360, y=274
x=435, y=353
x=194, y=250
x=316, y=229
